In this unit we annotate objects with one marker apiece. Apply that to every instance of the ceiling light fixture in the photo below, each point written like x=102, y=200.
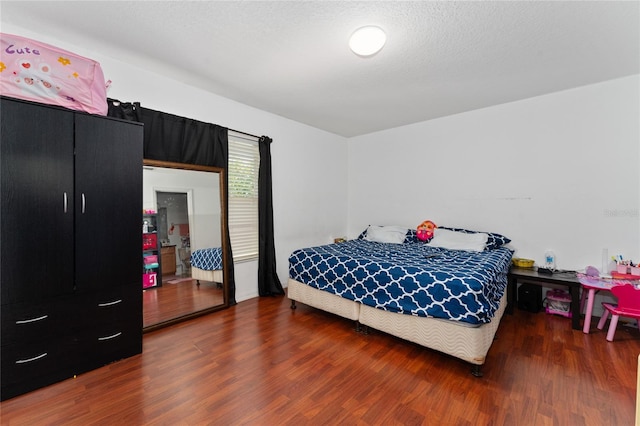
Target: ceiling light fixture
x=367, y=41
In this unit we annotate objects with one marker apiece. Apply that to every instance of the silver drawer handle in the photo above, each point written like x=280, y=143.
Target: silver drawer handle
x=115, y=302
x=27, y=321
x=24, y=361
x=64, y=201
x=84, y=204
x=110, y=337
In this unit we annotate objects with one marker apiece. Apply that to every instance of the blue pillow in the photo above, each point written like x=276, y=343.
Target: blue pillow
x=410, y=237
x=363, y=234
x=493, y=242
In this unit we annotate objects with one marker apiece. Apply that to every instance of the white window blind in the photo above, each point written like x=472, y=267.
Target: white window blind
x=244, y=162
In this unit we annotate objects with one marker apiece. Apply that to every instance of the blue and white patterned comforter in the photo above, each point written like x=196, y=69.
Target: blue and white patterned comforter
x=410, y=278
x=208, y=259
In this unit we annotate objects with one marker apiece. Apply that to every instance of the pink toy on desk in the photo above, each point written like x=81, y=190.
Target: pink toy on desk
x=628, y=306
x=592, y=271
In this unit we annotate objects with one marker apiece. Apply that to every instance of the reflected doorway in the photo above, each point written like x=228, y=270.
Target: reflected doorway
x=174, y=233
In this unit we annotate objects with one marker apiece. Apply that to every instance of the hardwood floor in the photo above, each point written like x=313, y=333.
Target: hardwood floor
x=259, y=363
x=175, y=299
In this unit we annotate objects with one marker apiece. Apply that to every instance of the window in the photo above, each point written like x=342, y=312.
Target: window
x=244, y=162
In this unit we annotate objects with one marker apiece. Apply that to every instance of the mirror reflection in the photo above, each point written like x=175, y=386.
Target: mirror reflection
x=183, y=271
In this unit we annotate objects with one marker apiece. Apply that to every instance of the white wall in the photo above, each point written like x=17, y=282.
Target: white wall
x=555, y=172
x=309, y=165
x=202, y=192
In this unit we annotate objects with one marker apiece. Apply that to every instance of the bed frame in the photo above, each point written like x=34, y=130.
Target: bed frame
x=466, y=342
x=215, y=276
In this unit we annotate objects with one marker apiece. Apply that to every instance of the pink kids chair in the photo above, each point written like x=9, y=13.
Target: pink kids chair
x=628, y=306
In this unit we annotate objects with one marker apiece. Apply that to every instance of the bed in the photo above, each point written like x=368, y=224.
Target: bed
x=448, y=297
x=206, y=265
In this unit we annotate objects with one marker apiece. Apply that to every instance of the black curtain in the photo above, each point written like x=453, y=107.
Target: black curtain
x=268, y=282
x=168, y=137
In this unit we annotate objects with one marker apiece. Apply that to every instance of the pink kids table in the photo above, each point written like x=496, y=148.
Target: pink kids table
x=592, y=285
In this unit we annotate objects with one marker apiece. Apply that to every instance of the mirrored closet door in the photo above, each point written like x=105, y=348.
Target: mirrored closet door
x=183, y=208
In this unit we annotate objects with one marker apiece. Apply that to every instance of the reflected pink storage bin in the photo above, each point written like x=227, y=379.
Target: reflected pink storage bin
x=149, y=241
x=149, y=280
x=152, y=258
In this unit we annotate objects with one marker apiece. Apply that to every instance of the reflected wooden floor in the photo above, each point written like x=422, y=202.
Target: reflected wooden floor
x=177, y=297
x=259, y=363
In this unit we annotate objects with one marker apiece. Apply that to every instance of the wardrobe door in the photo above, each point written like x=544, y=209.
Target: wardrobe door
x=108, y=204
x=108, y=239
x=36, y=165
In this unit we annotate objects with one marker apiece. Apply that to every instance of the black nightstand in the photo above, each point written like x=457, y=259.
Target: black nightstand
x=557, y=279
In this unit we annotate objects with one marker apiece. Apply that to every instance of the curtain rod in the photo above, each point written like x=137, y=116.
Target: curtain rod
x=243, y=133
x=137, y=104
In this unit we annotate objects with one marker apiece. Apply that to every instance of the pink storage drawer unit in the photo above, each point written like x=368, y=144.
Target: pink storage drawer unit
x=558, y=303
x=39, y=72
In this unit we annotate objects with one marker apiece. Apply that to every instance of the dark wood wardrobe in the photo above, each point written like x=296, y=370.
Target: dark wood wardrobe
x=70, y=241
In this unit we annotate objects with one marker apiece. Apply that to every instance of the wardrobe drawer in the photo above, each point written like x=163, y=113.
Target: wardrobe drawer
x=114, y=305
x=108, y=343
x=38, y=362
x=28, y=322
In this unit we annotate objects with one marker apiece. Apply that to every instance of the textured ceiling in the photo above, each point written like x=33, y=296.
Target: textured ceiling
x=292, y=59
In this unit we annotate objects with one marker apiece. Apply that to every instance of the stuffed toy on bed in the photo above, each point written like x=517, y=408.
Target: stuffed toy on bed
x=424, y=231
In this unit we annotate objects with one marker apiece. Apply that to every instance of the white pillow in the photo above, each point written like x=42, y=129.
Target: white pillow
x=386, y=234
x=458, y=240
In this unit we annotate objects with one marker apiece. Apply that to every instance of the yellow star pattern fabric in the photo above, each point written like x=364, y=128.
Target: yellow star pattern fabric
x=39, y=72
